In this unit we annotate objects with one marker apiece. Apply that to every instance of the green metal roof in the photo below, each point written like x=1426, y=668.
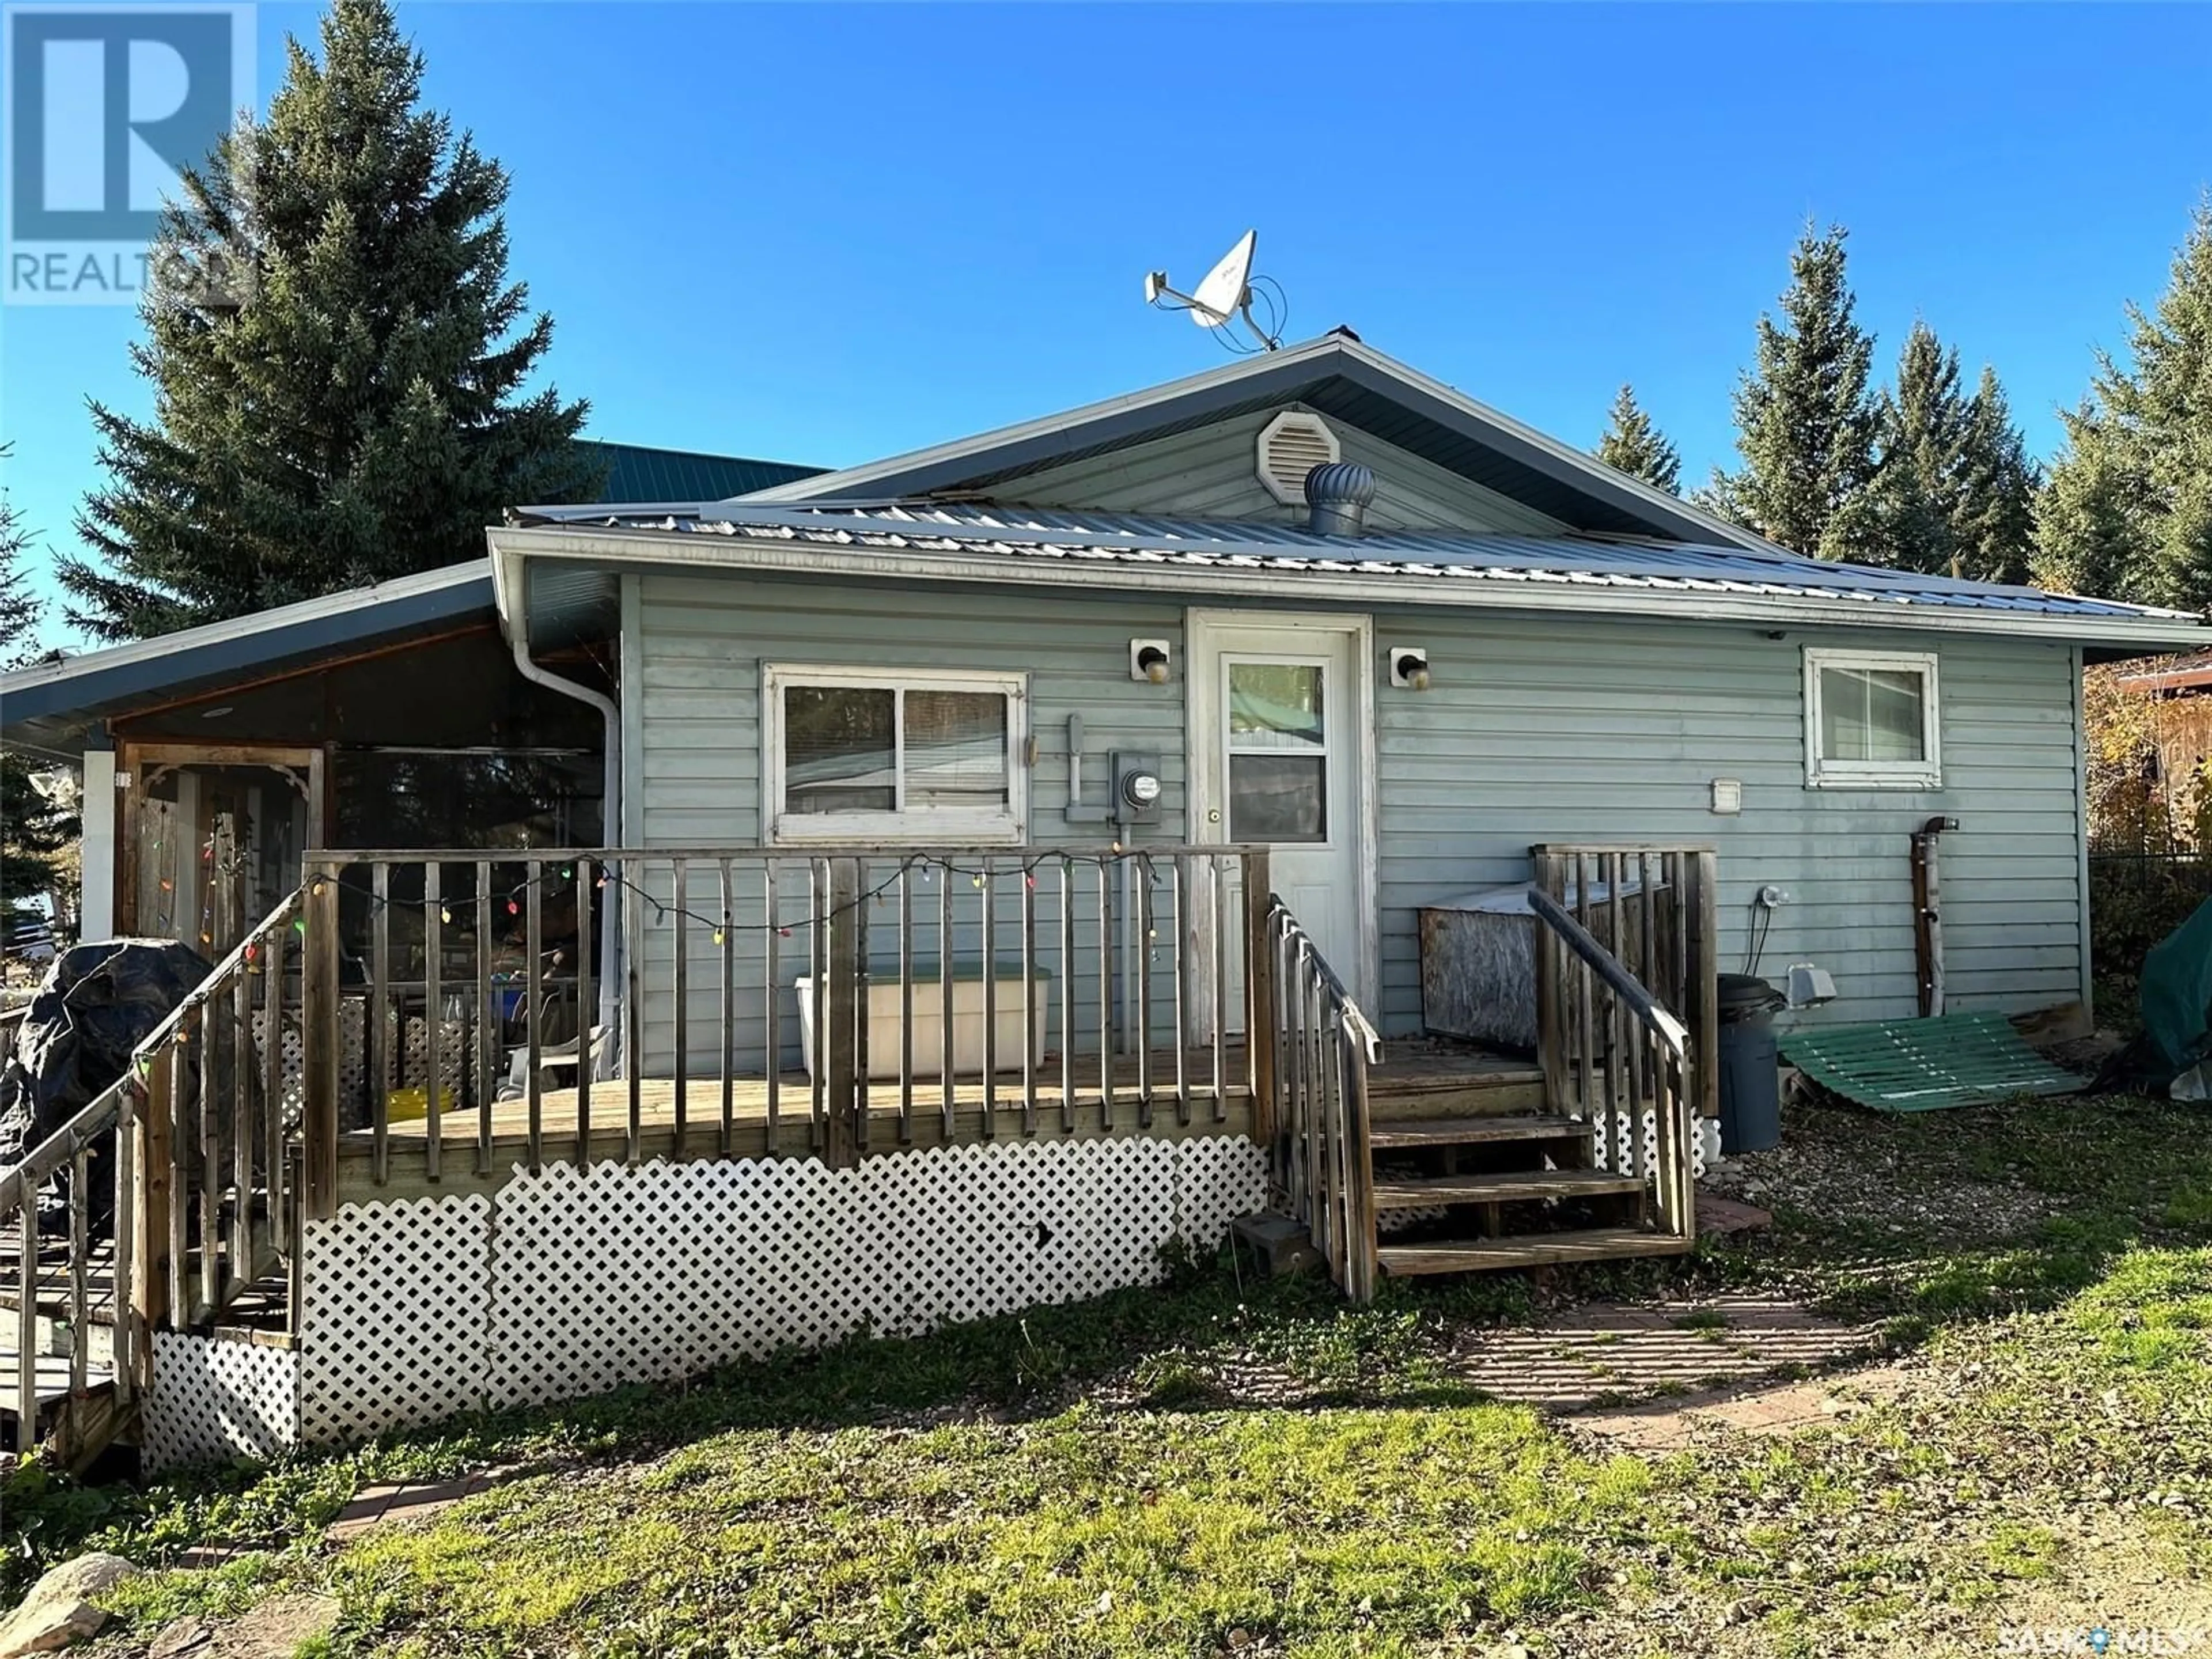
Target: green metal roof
x=637, y=474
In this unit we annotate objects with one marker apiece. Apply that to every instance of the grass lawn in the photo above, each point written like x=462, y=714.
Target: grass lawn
x=1225, y=1466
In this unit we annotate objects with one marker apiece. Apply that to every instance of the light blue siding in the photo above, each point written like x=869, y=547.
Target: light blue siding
x=1212, y=472
x=1537, y=727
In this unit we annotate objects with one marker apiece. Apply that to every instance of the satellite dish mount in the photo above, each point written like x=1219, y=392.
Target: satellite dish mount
x=1223, y=300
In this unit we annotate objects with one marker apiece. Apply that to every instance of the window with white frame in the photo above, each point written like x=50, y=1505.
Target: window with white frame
x=851, y=754
x=1871, y=720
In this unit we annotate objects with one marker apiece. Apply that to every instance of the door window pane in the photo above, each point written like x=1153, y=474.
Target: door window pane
x=839, y=755
x=956, y=749
x=1275, y=705
x=1872, y=715
x=1278, y=798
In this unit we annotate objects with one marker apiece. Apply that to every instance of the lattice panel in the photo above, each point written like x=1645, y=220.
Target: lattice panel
x=396, y=1300
x=679, y=1268
x=572, y=1282
x=1611, y=1145
x=213, y=1398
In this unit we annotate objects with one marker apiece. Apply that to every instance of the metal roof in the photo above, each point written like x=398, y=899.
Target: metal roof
x=635, y=473
x=1339, y=375
x=57, y=708
x=1424, y=557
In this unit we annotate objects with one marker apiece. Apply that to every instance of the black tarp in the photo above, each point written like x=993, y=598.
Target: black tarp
x=97, y=1002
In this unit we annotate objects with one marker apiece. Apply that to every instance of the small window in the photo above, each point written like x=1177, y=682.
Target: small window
x=859, y=755
x=1870, y=721
x=1278, y=740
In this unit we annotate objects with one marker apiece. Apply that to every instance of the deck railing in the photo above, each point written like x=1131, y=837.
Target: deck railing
x=1318, y=1046
x=195, y=1132
x=859, y=992
x=1627, y=1006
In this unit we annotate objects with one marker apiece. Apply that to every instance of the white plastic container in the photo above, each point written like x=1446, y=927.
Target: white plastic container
x=884, y=1011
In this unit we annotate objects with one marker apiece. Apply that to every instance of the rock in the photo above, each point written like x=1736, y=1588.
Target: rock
x=59, y=1611
x=186, y=1636
x=277, y=1628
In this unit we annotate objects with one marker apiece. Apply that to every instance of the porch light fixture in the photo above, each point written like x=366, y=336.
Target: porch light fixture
x=1148, y=660
x=1409, y=667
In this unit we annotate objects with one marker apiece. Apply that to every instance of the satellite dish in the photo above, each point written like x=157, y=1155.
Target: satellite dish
x=1221, y=296
x=1224, y=298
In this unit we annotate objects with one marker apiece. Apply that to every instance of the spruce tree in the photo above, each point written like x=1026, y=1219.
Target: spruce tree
x=35, y=832
x=1805, y=422
x=1922, y=424
x=1993, y=532
x=1635, y=445
x=359, y=411
x=2131, y=497
x=2093, y=524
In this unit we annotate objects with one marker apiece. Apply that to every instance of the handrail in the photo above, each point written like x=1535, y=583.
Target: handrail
x=1615, y=1053
x=127, y=1107
x=1322, y=1045
x=20, y=1182
x=1607, y=967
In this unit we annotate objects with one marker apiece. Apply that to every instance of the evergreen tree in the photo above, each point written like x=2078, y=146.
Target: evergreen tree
x=1634, y=446
x=1993, y=532
x=359, y=410
x=1805, y=423
x=2131, y=498
x=2092, y=533
x=1922, y=423
x=35, y=832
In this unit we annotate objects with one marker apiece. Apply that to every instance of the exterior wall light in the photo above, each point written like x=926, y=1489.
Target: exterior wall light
x=1409, y=667
x=1148, y=660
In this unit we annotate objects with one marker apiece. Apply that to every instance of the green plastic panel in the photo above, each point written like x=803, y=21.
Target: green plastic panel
x=1924, y=1065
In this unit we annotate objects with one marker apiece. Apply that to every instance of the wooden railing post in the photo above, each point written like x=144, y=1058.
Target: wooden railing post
x=1261, y=1018
x=319, y=966
x=1551, y=1025
x=839, y=1006
x=149, y=1218
x=1701, y=905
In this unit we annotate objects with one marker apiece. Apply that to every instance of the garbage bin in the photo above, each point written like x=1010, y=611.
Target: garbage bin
x=1751, y=1076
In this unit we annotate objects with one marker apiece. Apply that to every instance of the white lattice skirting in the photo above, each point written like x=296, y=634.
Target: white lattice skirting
x=218, y=1397
x=570, y=1282
x=1611, y=1151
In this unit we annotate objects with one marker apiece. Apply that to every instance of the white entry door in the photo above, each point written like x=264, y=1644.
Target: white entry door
x=1280, y=739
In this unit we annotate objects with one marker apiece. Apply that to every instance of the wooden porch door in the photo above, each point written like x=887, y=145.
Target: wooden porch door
x=210, y=837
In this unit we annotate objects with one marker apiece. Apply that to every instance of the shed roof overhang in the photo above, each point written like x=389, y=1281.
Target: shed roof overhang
x=525, y=556
x=60, y=710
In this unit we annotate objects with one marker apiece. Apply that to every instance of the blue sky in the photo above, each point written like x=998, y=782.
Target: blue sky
x=822, y=234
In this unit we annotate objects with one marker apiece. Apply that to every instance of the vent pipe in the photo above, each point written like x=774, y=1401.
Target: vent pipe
x=1337, y=496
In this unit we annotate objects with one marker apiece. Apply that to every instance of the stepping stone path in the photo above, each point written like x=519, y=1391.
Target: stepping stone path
x=1608, y=1357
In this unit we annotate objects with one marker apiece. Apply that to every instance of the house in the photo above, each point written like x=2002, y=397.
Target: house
x=1012, y=856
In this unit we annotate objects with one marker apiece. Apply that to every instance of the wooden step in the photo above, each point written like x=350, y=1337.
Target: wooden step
x=1453, y=1085
x=1384, y=1136
x=1499, y=1186
x=1475, y=1256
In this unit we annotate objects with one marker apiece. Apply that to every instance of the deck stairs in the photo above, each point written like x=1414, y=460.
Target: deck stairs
x=1471, y=1172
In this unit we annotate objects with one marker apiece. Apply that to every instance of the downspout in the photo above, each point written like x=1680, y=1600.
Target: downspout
x=611, y=964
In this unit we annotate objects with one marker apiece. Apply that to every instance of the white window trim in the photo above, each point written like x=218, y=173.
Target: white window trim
x=1821, y=772
x=917, y=826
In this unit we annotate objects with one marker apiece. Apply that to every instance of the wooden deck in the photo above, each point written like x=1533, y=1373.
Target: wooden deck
x=1003, y=1112
x=1426, y=1076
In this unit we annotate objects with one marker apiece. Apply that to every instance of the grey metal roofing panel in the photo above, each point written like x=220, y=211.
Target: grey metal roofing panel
x=58, y=707
x=1492, y=556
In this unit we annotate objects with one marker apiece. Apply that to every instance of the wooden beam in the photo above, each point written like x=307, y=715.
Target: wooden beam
x=838, y=1004
x=319, y=964
x=1259, y=1019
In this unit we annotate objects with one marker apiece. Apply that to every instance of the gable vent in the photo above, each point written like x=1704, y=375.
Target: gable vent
x=1293, y=445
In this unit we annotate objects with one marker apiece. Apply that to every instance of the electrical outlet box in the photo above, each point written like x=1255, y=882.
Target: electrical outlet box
x=1137, y=785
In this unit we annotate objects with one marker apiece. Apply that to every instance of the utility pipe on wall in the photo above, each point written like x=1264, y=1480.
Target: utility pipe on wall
x=1928, y=914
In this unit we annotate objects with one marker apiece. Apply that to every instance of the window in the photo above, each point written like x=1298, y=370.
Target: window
x=1277, y=752
x=1870, y=721
x=858, y=755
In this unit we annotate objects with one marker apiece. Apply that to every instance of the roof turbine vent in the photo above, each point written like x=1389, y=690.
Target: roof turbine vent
x=1339, y=492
